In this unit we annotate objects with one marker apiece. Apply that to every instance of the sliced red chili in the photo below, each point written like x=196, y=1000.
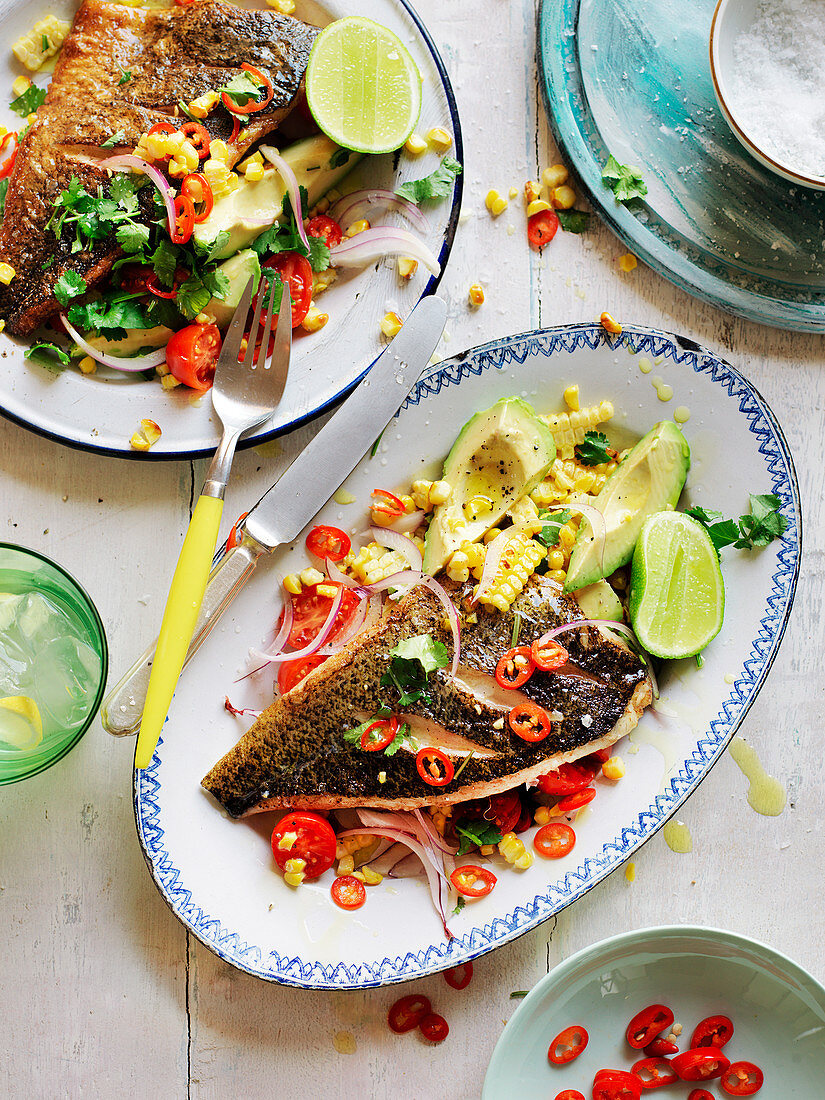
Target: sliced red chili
x=10, y=154
x=515, y=667
x=554, y=840
x=184, y=220
x=576, y=801
x=434, y=1027
x=348, y=892
x=700, y=1094
x=660, y=1048
x=701, y=1064
x=567, y=779
x=251, y=105
x=655, y=1073
x=647, y=1024
x=568, y=1045
x=154, y=287
x=530, y=722
x=549, y=656
x=569, y=1094
x=236, y=539
x=163, y=128
x=616, y=1084
x=434, y=767
x=198, y=188
x=236, y=129
x=387, y=504
x=742, y=1079
x=379, y=734
x=472, y=881
x=713, y=1031
x=328, y=542
x=459, y=977
x=406, y=1014
x=199, y=137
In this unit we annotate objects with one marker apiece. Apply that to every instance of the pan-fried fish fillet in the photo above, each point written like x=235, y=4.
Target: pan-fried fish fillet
x=173, y=55
x=295, y=753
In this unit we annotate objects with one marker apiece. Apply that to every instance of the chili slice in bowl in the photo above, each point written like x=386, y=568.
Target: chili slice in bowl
x=568, y=1045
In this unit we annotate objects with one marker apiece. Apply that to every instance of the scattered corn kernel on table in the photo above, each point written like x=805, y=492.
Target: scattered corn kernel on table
x=104, y=992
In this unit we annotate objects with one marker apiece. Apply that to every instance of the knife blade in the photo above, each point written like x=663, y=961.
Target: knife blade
x=300, y=492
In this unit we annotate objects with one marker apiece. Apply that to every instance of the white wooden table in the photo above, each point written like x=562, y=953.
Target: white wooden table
x=103, y=993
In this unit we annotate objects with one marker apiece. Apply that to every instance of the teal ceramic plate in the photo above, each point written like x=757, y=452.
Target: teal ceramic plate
x=633, y=79
x=777, y=1009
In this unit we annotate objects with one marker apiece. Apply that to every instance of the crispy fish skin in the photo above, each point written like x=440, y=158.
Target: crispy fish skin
x=295, y=753
x=172, y=55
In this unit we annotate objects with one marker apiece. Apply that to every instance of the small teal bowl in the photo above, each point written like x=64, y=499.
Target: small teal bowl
x=777, y=1009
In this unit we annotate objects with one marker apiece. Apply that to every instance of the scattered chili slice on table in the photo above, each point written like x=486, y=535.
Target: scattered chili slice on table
x=570, y=1094
x=434, y=1027
x=434, y=767
x=473, y=881
x=554, y=840
x=515, y=667
x=549, y=656
x=348, y=892
x=647, y=1024
x=713, y=1031
x=577, y=800
x=406, y=1014
x=568, y=1045
x=700, y=1094
x=387, y=504
x=742, y=1079
x=529, y=722
x=459, y=977
x=307, y=836
x=701, y=1064
x=379, y=734
x=235, y=538
x=328, y=542
x=542, y=228
x=655, y=1073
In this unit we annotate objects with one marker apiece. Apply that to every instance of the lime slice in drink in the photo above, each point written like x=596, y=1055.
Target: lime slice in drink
x=20, y=723
x=677, y=596
x=362, y=86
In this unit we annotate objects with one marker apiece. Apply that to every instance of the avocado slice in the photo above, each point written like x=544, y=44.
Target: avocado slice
x=599, y=601
x=649, y=480
x=318, y=164
x=500, y=454
x=238, y=269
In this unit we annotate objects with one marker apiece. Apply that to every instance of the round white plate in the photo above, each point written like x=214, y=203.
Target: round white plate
x=217, y=874
x=777, y=1009
x=100, y=412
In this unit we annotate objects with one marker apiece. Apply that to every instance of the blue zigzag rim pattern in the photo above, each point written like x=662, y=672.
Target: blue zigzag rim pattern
x=497, y=355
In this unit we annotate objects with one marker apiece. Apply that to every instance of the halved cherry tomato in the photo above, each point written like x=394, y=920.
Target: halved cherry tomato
x=505, y=810
x=713, y=1031
x=294, y=269
x=181, y=231
x=379, y=734
x=291, y=673
x=655, y=1073
x=459, y=977
x=515, y=667
x=10, y=153
x=236, y=126
x=234, y=538
x=326, y=228
x=198, y=188
x=568, y=1045
x=162, y=128
x=601, y=756
x=660, y=1048
x=576, y=801
x=742, y=1079
x=387, y=504
x=328, y=542
x=700, y=1094
x=701, y=1064
x=567, y=779
x=530, y=722
x=550, y=656
x=434, y=1027
x=192, y=353
x=314, y=842
x=434, y=767
x=542, y=228
x=616, y=1084
x=473, y=881
x=570, y=1094
x=554, y=840
x=647, y=1024
x=408, y=1013
x=199, y=137
x=310, y=611
x=348, y=892
x=251, y=104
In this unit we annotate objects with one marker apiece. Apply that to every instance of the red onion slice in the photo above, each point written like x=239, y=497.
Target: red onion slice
x=433, y=833
x=289, y=178
x=280, y=638
x=407, y=523
x=408, y=867
x=375, y=244
x=395, y=540
x=129, y=160
x=595, y=518
x=311, y=647
x=372, y=202
x=136, y=363
x=353, y=627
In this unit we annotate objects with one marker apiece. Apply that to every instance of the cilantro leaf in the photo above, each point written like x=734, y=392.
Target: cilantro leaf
x=193, y=297
x=44, y=351
x=553, y=522
x=164, y=262
x=241, y=88
x=132, y=237
x=110, y=315
x=459, y=906
x=123, y=189
x=117, y=138
x=624, y=181
x=208, y=250
x=761, y=526
x=573, y=221
x=594, y=450
x=29, y=101
x=354, y=735
x=476, y=833
x=410, y=663
x=318, y=253
x=399, y=739
x=430, y=653
x=4, y=186
x=69, y=285
x=704, y=515
x=217, y=283
x=438, y=185
x=125, y=77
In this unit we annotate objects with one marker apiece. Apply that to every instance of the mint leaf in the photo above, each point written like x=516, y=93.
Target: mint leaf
x=29, y=101
x=476, y=833
x=69, y=285
x=624, y=181
x=573, y=221
x=44, y=352
x=438, y=185
x=594, y=450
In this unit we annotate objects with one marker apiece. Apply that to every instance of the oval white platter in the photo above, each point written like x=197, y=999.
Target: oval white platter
x=100, y=412
x=217, y=874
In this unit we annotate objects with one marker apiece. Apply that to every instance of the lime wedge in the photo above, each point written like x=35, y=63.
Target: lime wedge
x=677, y=596
x=362, y=86
x=20, y=723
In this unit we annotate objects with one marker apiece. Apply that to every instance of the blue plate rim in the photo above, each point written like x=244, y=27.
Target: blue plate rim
x=498, y=354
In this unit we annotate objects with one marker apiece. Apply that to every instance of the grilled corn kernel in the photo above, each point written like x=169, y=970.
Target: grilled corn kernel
x=571, y=398
x=536, y=207
x=322, y=280
x=169, y=382
x=328, y=590
x=609, y=324
x=2, y=325
x=294, y=872
x=311, y=576
x=219, y=150
x=614, y=768
x=564, y=197
x=287, y=841
x=532, y=191
x=541, y=816
x=201, y=106
x=148, y=433
x=555, y=559
x=487, y=849
x=315, y=319
x=415, y=145
x=292, y=583
x=521, y=556
x=514, y=851
x=391, y=325
x=476, y=294
x=569, y=429
x=29, y=50
x=254, y=173
x=138, y=442
x=628, y=261
x=346, y=865
x=31, y=118
x=21, y=84
x=428, y=494
x=554, y=176
x=371, y=878
x=495, y=203
x=439, y=139
x=357, y=227
x=178, y=168
x=87, y=365
x=285, y=7
x=7, y=273
x=476, y=506
x=513, y=192
x=407, y=266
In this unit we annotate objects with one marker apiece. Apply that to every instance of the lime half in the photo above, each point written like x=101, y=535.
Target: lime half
x=362, y=86
x=677, y=596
